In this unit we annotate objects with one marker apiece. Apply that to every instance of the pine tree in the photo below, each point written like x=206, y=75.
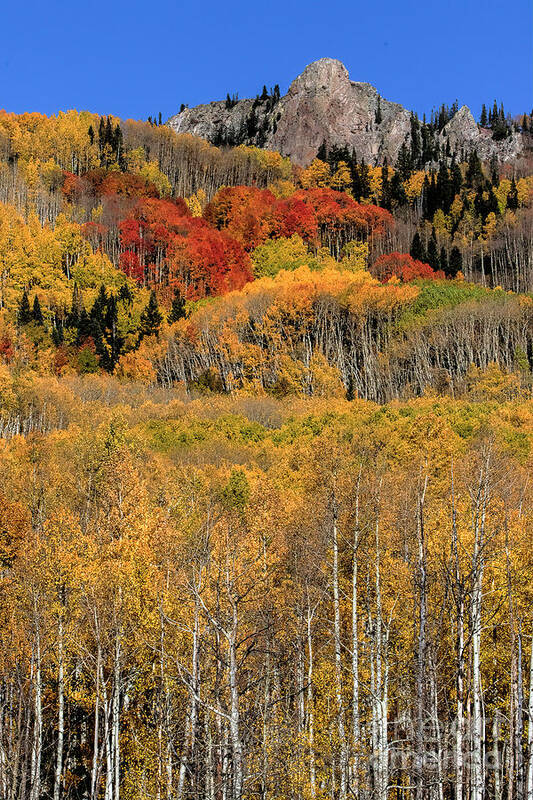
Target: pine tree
x=417, y=248
x=433, y=252
x=24, y=316
x=483, y=117
x=456, y=177
x=404, y=163
x=177, y=310
x=379, y=116
x=455, y=263
x=444, y=260
x=512, y=197
x=151, y=318
x=36, y=313
x=385, y=200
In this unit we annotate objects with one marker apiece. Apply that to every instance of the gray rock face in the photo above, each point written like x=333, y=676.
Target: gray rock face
x=462, y=131
x=323, y=104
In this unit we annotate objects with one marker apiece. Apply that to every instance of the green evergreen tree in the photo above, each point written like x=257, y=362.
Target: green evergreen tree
x=177, y=310
x=455, y=262
x=385, y=200
x=512, y=197
x=24, y=316
x=379, y=115
x=37, y=314
x=483, y=117
x=433, y=252
x=456, y=177
x=417, y=250
x=151, y=318
x=444, y=260
x=404, y=163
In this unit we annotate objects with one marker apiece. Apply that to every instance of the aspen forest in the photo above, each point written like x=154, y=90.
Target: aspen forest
x=266, y=452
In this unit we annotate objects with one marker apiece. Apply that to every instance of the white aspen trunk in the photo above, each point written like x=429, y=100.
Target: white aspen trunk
x=108, y=791
x=530, y=730
x=379, y=682
x=343, y=760
x=496, y=756
x=460, y=664
x=519, y=727
x=420, y=776
x=310, y=706
x=190, y=728
x=38, y=714
x=356, y=727
x=96, y=736
x=116, y=719
x=61, y=710
x=235, y=732
x=477, y=721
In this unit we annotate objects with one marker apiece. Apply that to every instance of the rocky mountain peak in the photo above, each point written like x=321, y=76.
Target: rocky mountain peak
x=324, y=105
x=324, y=74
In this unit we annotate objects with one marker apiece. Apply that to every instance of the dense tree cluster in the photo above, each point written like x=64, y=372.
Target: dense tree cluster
x=262, y=599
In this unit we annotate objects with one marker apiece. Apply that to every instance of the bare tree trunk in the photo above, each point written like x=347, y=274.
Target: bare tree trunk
x=38, y=714
x=235, y=732
x=530, y=730
x=310, y=704
x=190, y=725
x=343, y=759
x=356, y=727
x=476, y=608
x=116, y=719
x=460, y=658
x=61, y=710
x=96, y=736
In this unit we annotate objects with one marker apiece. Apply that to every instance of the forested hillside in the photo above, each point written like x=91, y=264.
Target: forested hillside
x=266, y=446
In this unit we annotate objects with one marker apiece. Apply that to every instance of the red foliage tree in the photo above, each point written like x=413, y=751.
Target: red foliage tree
x=161, y=243
x=404, y=267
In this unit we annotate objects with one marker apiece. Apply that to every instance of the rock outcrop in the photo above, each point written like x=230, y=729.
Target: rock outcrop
x=324, y=105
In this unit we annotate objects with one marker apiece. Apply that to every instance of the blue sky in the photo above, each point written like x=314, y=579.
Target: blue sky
x=138, y=58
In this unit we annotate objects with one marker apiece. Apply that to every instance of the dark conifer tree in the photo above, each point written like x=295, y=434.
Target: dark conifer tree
x=379, y=115
x=512, y=197
x=177, y=310
x=404, y=163
x=396, y=191
x=84, y=327
x=364, y=176
x=418, y=251
x=385, y=200
x=37, y=314
x=444, y=260
x=151, y=318
x=456, y=177
x=24, y=316
x=455, y=263
x=433, y=253
x=322, y=153
x=57, y=332
x=483, y=117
